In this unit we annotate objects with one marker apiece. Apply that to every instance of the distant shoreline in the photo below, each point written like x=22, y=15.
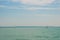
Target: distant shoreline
x=29, y=26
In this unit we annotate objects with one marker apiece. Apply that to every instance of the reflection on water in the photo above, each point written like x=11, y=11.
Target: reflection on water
x=22, y=39
x=42, y=37
x=47, y=37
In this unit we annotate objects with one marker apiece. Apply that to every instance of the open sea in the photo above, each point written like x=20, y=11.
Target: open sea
x=29, y=33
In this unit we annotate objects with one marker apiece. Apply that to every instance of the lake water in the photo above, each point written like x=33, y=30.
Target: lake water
x=18, y=33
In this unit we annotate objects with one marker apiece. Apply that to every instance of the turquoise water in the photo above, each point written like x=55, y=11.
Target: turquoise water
x=51, y=33
x=7, y=33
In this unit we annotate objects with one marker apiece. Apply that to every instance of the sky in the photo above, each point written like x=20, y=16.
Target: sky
x=29, y=12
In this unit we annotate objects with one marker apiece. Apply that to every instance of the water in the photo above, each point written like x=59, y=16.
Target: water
x=21, y=33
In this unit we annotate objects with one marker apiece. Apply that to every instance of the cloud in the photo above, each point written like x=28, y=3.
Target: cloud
x=15, y=0
x=39, y=15
x=28, y=8
x=41, y=8
x=44, y=15
x=1, y=6
x=35, y=2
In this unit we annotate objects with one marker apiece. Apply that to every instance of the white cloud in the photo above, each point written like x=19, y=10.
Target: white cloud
x=40, y=8
x=35, y=2
x=28, y=8
x=14, y=0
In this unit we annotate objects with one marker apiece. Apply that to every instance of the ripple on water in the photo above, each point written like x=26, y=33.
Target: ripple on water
x=22, y=39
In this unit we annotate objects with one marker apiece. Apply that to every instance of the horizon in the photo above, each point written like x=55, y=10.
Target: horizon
x=29, y=26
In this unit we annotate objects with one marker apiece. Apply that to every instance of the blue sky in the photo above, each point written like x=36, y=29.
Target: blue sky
x=29, y=12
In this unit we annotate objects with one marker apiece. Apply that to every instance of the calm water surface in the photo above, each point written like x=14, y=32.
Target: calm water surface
x=51, y=33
